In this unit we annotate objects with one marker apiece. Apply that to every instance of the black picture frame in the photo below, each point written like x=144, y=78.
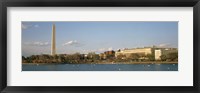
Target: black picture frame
x=98, y=3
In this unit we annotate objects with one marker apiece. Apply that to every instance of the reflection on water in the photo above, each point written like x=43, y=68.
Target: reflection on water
x=100, y=67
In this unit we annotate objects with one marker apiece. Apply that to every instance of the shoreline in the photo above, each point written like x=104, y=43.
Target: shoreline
x=113, y=63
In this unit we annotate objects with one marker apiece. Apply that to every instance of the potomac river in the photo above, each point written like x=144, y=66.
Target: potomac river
x=100, y=67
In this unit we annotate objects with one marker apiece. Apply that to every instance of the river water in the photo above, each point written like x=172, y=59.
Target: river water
x=99, y=67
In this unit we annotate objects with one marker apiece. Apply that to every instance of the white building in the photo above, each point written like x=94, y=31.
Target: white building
x=157, y=52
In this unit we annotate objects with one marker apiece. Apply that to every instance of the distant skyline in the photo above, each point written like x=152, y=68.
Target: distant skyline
x=84, y=37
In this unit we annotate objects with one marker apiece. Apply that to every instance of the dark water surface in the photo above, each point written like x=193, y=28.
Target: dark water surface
x=100, y=67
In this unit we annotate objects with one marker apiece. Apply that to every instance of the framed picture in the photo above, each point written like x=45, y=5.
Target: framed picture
x=99, y=46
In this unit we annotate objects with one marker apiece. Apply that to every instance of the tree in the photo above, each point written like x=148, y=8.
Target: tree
x=61, y=58
x=150, y=57
x=33, y=57
x=172, y=56
x=23, y=58
x=120, y=56
x=163, y=57
x=93, y=56
x=134, y=56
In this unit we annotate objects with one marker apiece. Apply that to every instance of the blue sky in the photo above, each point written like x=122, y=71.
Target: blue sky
x=84, y=37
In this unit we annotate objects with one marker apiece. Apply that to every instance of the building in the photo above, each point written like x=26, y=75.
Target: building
x=102, y=56
x=142, y=52
x=107, y=54
x=164, y=51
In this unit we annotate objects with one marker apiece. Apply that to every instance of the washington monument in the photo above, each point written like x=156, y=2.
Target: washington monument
x=53, y=40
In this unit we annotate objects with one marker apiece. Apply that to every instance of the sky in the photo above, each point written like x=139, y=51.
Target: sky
x=85, y=37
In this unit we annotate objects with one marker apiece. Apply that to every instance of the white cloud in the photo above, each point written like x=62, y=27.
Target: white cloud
x=73, y=43
x=38, y=43
x=164, y=45
x=27, y=26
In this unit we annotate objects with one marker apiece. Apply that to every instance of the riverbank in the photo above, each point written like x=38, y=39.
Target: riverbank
x=148, y=62
x=140, y=63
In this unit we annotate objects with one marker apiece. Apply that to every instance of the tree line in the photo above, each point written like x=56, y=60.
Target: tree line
x=78, y=58
x=61, y=58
